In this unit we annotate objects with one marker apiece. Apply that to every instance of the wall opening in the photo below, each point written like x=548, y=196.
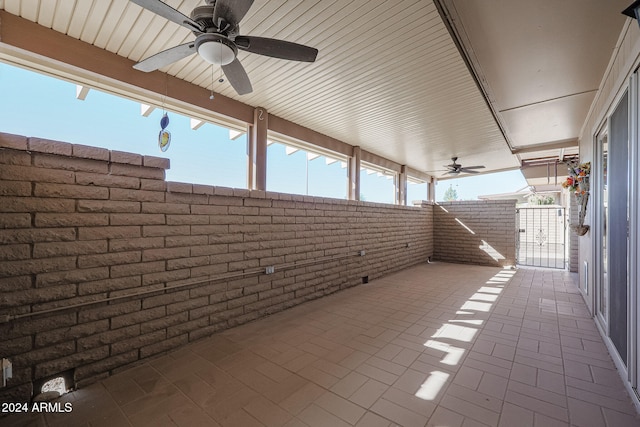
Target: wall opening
x=52, y=387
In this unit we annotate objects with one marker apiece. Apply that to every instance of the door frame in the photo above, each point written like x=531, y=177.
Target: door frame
x=633, y=248
x=598, y=218
x=629, y=371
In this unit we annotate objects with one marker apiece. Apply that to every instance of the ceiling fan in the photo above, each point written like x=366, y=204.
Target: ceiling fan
x=216, y=27
x=455, y=168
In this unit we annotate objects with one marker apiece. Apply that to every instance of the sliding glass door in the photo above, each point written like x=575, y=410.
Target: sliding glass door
x=611, y=201
x=601, y=235
x=617, y=173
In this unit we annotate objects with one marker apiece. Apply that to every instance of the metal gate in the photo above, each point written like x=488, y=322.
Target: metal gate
x=541, y=236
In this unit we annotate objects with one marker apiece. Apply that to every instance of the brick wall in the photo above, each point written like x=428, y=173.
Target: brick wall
x=475, y=232
x=81, y=224
x=574, y=213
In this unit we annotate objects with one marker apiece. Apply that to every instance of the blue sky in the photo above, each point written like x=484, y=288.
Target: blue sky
x=36, y=105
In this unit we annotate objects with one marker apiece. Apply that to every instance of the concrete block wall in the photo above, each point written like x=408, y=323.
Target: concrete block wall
x=149, y=265
x=574, y=244
x=475, y=232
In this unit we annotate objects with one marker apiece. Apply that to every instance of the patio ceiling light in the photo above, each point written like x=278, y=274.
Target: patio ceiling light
x=215, y=49
x=633, y=11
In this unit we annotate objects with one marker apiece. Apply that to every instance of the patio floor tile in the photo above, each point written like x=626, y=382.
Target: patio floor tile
x=434, y=345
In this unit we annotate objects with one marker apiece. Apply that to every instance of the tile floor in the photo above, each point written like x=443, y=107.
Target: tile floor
x=436, y=345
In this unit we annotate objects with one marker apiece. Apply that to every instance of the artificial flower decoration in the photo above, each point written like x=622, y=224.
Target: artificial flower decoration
x=578, y=183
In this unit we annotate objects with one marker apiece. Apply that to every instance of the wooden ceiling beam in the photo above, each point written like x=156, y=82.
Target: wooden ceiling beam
x=28, y=44
x=50, y=51
x=533, y=148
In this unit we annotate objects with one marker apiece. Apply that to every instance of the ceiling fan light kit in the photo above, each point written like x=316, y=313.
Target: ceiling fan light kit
x=216, y=27
x=215, y=49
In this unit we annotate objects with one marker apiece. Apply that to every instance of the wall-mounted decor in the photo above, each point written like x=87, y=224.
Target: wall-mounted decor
x=578, y=183
x=164, y=137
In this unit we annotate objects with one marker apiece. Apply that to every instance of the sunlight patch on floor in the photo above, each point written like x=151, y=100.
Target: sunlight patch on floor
x=480, y=302
x=453, y=354
x=456, y=332
x=477, y=306
x=490, y=290
x=469, y=321
x=481, y=296
x=432, y=386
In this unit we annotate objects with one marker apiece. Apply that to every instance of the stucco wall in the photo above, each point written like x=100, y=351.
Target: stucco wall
x=624, y=60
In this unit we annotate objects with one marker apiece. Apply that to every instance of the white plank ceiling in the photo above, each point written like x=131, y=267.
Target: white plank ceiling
x=388, y=78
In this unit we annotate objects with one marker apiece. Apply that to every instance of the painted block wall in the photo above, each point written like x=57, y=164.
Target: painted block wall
x=475, y=232
x=574, y=211
x=84, y=225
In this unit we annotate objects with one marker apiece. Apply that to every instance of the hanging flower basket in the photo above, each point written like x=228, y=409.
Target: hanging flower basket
x=580, y=230
x=578, y=183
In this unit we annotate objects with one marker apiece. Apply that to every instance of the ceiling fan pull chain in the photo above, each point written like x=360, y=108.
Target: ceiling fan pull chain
x=211, y=96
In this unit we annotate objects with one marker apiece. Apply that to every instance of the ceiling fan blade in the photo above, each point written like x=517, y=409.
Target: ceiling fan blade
x=452, y=173
x=232, y=11
x=237, y=76
x=474, y=167
x=160, y=8
x=467, y=170
x=277, y=48
x=166, y=57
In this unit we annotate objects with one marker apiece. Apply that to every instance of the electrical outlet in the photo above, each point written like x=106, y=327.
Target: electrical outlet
x=362, y=253
x=270, y=269
x=7, y=371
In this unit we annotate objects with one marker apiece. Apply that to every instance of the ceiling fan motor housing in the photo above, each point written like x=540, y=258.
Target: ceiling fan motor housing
x=204, y=15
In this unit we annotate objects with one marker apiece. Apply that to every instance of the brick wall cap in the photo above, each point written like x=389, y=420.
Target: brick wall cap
x=223, y=191
x=241, y=192
x=273, y=195
x=8, y=140
x=179, y=187
x=258, y=194
x=203, y=189
x=476, y=202
x=156, y=162
x=50, y=146
x=88, y=152
x=126, y=158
